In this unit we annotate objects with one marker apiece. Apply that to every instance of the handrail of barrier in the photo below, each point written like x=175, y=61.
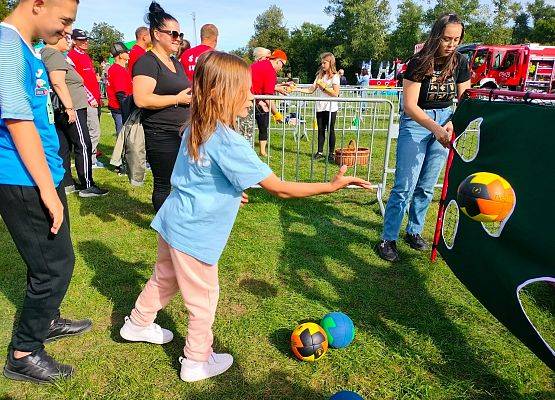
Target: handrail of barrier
x=324, y=99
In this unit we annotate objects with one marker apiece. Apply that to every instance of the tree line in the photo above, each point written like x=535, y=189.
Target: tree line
x=367, y=29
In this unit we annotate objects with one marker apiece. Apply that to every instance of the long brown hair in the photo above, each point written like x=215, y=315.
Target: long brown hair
x=220, y=89
x=425, y=58
x=331, y=58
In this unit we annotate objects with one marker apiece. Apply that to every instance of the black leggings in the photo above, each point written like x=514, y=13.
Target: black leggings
x=263, y=122
x=161, y=152
x=323, y=120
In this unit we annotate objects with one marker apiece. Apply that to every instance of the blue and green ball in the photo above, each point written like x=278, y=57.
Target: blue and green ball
x=339, y=329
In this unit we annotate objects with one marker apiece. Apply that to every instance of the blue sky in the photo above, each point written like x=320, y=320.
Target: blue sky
x=234, y=18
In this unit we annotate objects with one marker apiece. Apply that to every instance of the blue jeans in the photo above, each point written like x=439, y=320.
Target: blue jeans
x=116, y=115
x=420, y=158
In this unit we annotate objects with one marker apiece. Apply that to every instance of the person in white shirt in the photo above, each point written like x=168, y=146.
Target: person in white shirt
x=326, y=84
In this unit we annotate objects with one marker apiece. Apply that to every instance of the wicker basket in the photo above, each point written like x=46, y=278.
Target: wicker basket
x=352, y=154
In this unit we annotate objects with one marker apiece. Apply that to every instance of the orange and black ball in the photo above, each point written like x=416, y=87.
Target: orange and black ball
x=309, y=342
x=486, y=197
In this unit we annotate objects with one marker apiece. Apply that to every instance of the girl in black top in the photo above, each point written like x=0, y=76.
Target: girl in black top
x=161, y=89
x=434, y=77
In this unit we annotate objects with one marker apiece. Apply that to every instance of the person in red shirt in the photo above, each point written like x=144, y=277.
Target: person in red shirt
x=84, y=66
x=208, y=42
x=143, y=40
x=119, y=84
x=264, y=82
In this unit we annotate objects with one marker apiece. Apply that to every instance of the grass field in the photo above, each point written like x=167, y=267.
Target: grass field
x=420, y=333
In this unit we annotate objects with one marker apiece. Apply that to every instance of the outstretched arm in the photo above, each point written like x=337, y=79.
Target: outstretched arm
x=287, y=190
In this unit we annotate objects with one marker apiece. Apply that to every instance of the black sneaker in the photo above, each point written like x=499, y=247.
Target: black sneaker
x=387, y=250
x=416, y=242
x=37, y=367
x=62, y=327
x=331, y=159
x=93, y=191
x=317, y=155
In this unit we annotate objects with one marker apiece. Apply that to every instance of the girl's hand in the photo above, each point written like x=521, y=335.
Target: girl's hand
x=449, y=127
x=443, y=136
x=341, y=181
x=244, y=199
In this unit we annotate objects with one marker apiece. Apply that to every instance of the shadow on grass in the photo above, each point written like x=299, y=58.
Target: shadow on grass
x=259, y=288
x=376, y=294
x=276, y=385
x=121, y=282
x=118, y=203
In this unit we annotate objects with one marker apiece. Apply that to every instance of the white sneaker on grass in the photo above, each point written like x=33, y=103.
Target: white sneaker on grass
x=192, y=371
x=150, y=334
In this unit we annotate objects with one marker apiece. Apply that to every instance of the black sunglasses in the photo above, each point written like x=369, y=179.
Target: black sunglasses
x=174, y=34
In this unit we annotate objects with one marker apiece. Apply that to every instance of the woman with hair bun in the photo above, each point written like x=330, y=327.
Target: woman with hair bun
x=161, y=89
x=434, y=77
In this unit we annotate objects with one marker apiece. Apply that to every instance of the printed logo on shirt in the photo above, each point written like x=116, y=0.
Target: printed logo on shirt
x=41, y=88
x=443, y=91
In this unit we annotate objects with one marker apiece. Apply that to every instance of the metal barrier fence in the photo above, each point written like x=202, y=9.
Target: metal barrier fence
x=369, y=121
x=367, y=115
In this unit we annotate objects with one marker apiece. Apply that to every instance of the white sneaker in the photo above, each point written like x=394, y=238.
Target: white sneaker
x=151, y=334
x=192, y=371
x=97, y=165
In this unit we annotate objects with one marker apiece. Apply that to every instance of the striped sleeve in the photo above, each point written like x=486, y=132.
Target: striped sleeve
x=15, y=102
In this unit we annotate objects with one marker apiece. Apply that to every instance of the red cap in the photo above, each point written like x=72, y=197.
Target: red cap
x=278, y=53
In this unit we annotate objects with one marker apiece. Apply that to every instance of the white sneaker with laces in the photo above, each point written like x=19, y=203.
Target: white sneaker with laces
x=151, y=334
x=192, y=371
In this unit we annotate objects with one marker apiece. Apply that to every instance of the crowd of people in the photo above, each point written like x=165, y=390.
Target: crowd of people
x=201, y=166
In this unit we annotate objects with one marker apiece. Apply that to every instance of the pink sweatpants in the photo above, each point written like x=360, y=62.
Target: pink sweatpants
x=198, y=283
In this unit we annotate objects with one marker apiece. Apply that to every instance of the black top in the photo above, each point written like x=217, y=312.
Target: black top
x=167, y=83
x=434, y=94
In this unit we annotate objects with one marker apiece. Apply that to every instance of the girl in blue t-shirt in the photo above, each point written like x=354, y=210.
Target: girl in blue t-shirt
x=215, y=164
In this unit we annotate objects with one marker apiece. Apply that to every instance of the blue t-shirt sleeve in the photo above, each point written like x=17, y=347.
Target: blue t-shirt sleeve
x=15, y=102
x=240, y=164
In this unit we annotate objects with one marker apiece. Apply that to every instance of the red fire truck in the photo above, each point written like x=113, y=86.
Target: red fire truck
x=523, y=67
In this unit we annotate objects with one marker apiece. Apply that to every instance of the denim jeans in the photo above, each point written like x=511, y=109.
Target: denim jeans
x=116, y=115
x=420, y=158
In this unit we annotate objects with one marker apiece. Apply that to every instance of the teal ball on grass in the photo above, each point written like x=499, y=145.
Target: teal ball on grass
x=339, y=329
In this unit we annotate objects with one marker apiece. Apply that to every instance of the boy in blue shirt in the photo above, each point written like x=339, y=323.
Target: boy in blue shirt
x=32, y=201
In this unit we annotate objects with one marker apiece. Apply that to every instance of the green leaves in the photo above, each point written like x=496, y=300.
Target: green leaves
x=103, y=36
x=270, y=31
